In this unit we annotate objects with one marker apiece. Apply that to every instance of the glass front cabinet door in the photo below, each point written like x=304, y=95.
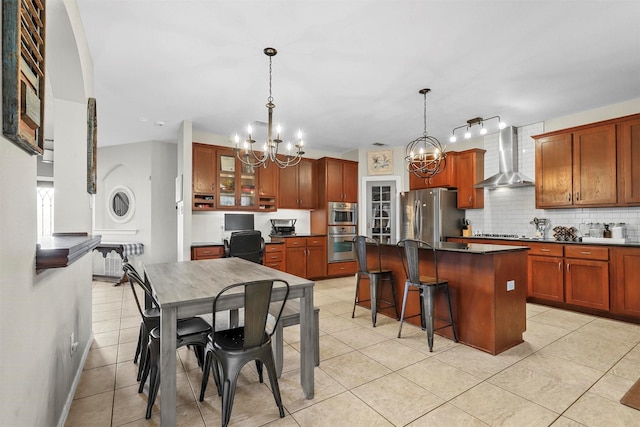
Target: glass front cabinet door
x=237, y=182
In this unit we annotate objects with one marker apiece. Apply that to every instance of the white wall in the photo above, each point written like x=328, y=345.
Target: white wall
x=148, y=169
x=38, y=312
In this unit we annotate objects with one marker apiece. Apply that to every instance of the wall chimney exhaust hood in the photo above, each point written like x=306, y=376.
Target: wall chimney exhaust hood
x=508, y=163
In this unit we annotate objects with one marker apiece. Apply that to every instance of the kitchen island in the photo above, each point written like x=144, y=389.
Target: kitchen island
x=487, y=286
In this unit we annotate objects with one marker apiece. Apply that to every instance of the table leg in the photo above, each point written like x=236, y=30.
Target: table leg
x=168, y=323
x=307, y=358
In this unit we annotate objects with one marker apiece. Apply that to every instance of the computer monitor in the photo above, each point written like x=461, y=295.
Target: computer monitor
x=237, y=222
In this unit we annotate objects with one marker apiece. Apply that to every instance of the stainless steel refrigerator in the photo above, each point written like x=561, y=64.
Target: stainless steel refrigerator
x=430, y=215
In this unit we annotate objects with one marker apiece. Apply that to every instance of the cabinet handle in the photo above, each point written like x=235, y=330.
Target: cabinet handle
x=545, y=250
x=577, y=196
x=560, y=266
x=569, y=197
x=470, y=199
x=585, y=253
x=568, y=265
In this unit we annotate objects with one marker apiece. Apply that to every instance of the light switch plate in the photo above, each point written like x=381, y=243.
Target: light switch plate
x=511, y=285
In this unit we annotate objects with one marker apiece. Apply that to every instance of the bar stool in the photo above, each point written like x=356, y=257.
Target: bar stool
x=376, y=276
x=426, y=285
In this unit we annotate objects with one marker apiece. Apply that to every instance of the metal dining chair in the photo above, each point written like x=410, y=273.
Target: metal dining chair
x=409, y=251
x=376, y=275
x=227, y=351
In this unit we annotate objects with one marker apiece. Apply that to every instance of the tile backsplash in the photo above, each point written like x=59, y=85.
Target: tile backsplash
x=510, y=210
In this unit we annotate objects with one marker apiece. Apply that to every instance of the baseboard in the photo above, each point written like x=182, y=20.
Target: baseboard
x=74, y=385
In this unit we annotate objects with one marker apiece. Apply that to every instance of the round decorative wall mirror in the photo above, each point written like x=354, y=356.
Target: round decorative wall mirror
x=121, y=204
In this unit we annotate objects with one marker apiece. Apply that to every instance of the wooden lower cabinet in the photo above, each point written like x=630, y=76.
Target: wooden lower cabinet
x=274, y=256
x=346, y=268
x=306, y=256
x=546, y=278
x=625, y=285
x=587, y=276
x=207, y=252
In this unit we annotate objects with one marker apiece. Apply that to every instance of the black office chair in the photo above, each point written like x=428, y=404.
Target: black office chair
x=376, y=275
x=247, y=245
x=409, y=251
x=229, y=350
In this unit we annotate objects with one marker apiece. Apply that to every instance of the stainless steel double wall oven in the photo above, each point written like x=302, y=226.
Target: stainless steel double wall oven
x=342, y=228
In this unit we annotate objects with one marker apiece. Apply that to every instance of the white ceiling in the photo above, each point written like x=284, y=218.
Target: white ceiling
x=348, y=72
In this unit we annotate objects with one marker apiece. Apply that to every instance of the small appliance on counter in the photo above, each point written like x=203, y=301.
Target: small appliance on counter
x=283, y=227
x=542, y=227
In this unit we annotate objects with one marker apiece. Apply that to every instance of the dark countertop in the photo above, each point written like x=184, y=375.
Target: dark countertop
x=204, y=244
x=551, y=240
x=472, y=248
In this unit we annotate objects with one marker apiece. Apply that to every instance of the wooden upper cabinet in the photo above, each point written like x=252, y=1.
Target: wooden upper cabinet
x=268, y=180
x=594, y=166
x=307, y=191
x=446, y=178
x=204, y=168
x=341, y=180
x=590, y=166
x=469, y=170
x=554, y=173
x=629, y=161
x=296, y=188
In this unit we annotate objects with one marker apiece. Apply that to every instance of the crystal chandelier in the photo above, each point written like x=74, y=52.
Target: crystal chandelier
x=269, y=153
x=425, y=156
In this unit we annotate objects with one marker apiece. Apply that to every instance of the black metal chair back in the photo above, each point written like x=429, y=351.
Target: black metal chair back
x=409, y=255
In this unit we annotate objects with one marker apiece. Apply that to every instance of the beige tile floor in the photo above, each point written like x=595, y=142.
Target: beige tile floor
x=571, y=370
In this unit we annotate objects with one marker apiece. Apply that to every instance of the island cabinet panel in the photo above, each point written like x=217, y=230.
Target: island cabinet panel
x=554, y=172
x=629, y=161
x=625, y=289
x=594, y=166
x=486, y=315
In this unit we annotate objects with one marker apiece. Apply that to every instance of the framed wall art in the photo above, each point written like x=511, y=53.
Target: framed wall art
x=380, y=162
x=23, y=79
x=92, y=145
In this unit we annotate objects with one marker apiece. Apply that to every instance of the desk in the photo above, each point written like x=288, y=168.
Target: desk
x=188, y=288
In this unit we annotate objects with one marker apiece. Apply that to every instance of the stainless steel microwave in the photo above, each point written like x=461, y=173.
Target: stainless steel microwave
x=342, y=213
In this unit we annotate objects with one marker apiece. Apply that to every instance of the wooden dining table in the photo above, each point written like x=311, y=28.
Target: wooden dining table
x=188, y=288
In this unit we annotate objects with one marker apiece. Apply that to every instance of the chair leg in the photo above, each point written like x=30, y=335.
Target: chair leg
x=154, y=381
x=393, y=295
x=145, y=371
x=144, y=350
x=355, y=299
x=273, y=379
x=428, y=310
x=139, y=346
x=259, y=369
x=404, y=305
x=205, y=374
x=374, y=288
